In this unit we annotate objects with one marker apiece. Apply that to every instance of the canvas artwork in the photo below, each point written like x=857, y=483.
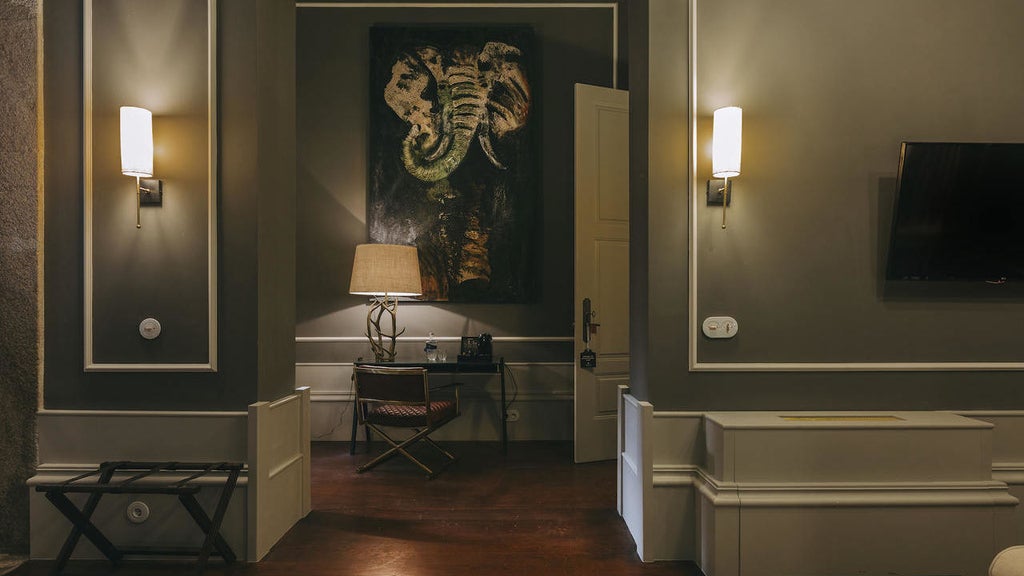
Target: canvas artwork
x=453, y=157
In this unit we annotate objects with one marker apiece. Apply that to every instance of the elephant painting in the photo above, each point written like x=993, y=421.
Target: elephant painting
x=453, y=157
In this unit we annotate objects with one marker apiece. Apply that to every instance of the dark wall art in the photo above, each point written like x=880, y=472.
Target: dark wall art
x=453, y=157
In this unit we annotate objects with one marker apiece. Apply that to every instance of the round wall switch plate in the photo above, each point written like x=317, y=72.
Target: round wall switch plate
x=149, y=328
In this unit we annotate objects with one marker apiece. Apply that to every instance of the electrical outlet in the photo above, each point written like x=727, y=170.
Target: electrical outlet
x=138, y=512
x=512, y=415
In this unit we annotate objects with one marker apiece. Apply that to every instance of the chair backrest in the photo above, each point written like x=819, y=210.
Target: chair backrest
x=395, y=385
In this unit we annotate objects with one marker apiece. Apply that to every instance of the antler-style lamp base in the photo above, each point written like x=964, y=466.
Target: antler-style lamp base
x=382, y=343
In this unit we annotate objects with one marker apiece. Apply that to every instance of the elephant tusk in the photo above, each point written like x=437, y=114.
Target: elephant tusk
x=485, y=143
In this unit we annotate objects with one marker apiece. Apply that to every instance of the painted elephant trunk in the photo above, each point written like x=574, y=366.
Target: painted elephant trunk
x=463, y=102
x=477, y=94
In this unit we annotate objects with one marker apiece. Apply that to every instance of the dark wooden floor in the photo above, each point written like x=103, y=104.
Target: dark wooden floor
x=532, y=512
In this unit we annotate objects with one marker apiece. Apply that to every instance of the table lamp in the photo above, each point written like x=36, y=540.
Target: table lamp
x=384, y=271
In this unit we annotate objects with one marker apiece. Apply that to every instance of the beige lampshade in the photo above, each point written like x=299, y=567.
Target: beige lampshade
x=389, y=269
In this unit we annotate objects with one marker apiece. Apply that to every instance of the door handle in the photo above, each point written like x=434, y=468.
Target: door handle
x=588, y=358
x=589, y=326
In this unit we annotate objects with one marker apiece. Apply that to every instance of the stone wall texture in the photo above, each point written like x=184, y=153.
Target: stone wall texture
x=18, y=264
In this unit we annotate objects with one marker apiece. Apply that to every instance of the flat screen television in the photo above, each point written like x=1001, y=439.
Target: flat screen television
x=958, y=214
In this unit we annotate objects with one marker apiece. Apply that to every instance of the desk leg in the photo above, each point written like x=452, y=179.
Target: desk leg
x=355, y=428
x=504, y=411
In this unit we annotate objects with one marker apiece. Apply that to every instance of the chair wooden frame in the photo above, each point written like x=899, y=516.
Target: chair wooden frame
x=379, y=388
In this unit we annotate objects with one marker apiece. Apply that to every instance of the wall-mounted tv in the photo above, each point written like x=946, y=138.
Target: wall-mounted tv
x=959, y=213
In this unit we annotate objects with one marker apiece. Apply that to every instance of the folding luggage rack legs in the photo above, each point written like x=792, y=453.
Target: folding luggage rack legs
x=184, y=488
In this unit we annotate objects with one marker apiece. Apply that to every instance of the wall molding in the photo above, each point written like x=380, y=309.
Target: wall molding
x=856, y=494
x=145, y=413
x=555, y=395
x=513, y=364
x=59, y=472
x=361, y=339
x=211, y=205
x=696, y=365
x=504, y=5
x=94, y=436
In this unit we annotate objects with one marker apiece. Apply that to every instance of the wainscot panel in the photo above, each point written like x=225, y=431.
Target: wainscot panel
x=959, y=502
x=74, y=441
x=1007, y=456
x=541, y=392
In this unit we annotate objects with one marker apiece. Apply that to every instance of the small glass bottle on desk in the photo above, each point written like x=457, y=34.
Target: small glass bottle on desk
x=430, y=350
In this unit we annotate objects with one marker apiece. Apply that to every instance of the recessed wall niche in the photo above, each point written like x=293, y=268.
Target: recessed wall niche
x=159, y=55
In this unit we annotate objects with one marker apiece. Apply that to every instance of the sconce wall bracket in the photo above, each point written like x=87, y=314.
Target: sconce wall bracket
x=151, y=192
x=716, y=192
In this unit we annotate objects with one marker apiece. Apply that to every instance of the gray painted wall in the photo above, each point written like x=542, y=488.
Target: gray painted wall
x=19, y=355
x=575, y=45
x=829, y=91
x=275, y=165
x=639, y=199
x=256, y=227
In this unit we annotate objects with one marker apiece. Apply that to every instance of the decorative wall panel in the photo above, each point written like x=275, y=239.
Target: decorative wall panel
x=161, y=56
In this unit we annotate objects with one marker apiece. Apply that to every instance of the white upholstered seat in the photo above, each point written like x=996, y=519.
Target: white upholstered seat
x=1009, y=562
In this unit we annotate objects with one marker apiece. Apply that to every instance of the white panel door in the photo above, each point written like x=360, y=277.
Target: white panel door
x=602, y=266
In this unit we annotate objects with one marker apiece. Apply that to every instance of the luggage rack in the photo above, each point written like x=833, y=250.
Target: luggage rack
x=184, y=488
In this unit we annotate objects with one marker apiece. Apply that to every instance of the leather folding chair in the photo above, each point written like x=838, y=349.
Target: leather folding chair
x=400, y=398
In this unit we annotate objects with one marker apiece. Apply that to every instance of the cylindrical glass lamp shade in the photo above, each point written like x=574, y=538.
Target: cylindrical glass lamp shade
x=727, y=142
x=136, y=142
x=390, y=269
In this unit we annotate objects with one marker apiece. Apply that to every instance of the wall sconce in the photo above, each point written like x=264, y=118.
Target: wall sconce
x=726, y=145
x=137, y=157
x=384, y=271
